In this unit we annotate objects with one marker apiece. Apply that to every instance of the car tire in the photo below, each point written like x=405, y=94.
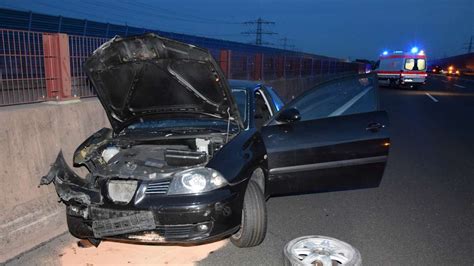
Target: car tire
x=254, y=219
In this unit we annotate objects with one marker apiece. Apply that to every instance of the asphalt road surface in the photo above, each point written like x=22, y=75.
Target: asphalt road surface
x=422, y=214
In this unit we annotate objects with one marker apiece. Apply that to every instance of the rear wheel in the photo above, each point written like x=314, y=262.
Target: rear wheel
x=254, y=218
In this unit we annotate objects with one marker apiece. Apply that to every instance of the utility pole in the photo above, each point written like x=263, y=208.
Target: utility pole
x=259, y=30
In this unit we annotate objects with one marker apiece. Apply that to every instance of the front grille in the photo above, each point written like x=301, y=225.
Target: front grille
x=175, y=231
x=160, y=187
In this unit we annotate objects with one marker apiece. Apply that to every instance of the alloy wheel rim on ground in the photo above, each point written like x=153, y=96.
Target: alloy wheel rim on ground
x=321, y=251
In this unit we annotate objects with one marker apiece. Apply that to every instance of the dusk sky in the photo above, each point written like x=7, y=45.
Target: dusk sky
x=339, y=28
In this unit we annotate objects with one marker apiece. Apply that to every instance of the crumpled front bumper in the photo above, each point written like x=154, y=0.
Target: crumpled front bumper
x=159, y=218
x=71, y=188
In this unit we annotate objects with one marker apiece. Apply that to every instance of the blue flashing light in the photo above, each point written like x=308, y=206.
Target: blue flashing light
x=414, y=50
x=385, y=53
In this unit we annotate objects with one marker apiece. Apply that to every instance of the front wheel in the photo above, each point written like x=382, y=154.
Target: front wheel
x=254, y=219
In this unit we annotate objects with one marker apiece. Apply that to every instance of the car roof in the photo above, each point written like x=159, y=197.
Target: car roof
x=248, y=84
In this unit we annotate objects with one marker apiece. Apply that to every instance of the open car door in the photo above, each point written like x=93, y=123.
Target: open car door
x=330, y=138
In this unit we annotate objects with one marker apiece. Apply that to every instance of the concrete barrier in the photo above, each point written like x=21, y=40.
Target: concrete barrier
x=30, y=138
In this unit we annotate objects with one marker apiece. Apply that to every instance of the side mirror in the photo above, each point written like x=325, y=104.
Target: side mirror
x=289, y=115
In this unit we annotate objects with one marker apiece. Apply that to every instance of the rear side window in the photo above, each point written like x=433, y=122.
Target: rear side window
x=415, y=64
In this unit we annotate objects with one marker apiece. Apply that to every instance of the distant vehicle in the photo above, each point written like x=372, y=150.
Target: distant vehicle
x=402, y=69
x=453, y=71
x=437, y=70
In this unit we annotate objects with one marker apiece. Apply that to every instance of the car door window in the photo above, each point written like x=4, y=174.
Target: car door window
x=275, y=98
x=341, y=140
x=339, y=97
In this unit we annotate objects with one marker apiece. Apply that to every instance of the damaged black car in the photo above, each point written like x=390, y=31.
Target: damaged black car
x=180, y=166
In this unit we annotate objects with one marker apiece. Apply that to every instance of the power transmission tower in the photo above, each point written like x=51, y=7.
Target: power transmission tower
x=469, y=46
x=285, y=44
x=259, y=30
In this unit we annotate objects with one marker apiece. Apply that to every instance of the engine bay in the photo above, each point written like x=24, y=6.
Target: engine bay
x=145, y=160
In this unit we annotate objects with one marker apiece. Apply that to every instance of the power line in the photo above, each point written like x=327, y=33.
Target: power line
x=258, y=32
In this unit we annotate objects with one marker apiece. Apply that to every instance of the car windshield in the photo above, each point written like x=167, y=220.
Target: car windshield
x=240, y=96
x=415, y=64
x=180, y=125
x=276, y=98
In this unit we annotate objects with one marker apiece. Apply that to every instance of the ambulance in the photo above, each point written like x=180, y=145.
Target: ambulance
x=402, y=69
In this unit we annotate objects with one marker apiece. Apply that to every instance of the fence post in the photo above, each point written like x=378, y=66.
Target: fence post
x=107, y=30
x=247, y=66
x=224, y=62
x=85, y=28
x=281, y=67
x=301, y=67
x=258, y=67
x=30, y=20
x=57, y=66
x=60, y=23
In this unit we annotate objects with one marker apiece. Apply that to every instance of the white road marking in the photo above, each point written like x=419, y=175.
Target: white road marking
x=459, y=86
x=431, y=97
x=351, y=102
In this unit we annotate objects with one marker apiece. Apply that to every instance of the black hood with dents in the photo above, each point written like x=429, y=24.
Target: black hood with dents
x=153, y=76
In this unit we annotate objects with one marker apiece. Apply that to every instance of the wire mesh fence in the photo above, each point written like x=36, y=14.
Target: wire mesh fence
x=80, y=48
x=22, y=77
x=31, y=65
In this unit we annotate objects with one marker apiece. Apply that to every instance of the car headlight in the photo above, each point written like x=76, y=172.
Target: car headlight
x=196, y=180
x=121, y=191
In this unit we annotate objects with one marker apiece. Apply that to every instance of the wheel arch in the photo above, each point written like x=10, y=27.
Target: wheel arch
x=258, y=176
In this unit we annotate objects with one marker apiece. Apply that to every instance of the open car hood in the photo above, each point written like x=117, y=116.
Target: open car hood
x=153, y=76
